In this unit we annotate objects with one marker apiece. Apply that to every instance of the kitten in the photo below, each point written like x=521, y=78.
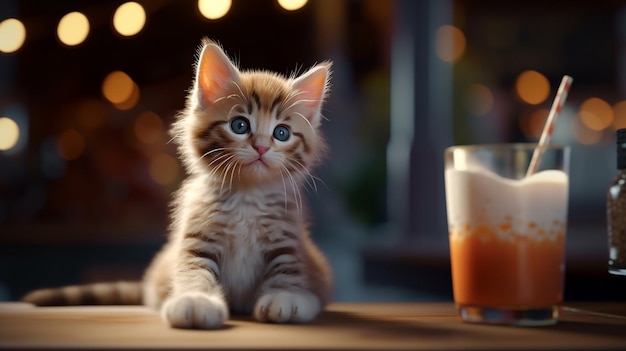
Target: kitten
x=238, y=240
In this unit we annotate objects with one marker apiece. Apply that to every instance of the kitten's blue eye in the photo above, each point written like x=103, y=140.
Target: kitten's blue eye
x=240, y=125
x=281, y=133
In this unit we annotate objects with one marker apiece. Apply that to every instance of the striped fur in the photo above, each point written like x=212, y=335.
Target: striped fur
x=119, y=293
x=239, y=240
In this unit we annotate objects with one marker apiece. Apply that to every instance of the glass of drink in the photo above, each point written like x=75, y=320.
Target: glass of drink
x=507, y=232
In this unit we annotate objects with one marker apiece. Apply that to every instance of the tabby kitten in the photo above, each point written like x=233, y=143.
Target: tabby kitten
x=238, y=240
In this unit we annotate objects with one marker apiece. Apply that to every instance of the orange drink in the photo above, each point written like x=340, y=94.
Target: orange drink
x=507, y=233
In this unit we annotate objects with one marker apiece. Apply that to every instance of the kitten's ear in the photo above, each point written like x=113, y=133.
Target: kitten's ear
x=214, y=74
x=312, y=88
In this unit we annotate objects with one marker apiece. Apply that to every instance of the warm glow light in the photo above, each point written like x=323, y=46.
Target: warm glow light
x=449, y=43
x=292, y=5
x=596, y=114
x=532, y=87
x=584, y=135
x=619, y=113
x=117, y=87
x=148, y=127
x=9, y=133
x=73, y=28
x=12, y=35
x=129, y=19
x=71, y=144
x=120, y=90
x=532, y=124
x=163, y=168
x=479, y=99
x=131, y=101
x=214, y=9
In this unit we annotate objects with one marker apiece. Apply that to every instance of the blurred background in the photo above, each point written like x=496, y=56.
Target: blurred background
x=88, y=90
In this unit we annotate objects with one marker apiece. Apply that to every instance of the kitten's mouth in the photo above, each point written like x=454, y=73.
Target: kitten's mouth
x=259, y=163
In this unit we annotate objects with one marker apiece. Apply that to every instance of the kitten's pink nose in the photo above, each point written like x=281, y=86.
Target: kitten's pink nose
x=261, y=149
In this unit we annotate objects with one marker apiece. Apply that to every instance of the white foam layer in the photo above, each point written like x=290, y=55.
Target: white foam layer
x=478, y=197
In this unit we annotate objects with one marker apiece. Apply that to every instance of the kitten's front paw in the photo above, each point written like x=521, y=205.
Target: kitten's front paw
x=287, y=307
x=195, y=310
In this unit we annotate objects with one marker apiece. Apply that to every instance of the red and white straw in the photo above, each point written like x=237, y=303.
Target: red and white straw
x=548, y=128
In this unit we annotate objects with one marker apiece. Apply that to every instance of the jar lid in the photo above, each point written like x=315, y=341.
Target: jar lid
x=621, y=136
x=621, y=148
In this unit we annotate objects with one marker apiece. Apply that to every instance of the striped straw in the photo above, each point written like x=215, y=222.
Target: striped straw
x=548, y=128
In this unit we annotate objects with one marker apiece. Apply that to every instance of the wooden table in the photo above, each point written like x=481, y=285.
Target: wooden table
x=362, y=326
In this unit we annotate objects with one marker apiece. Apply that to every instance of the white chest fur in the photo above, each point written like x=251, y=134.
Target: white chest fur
x=242, y=265
x=247, y=222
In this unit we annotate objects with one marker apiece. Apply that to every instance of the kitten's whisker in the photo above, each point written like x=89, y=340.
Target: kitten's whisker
x=309, y=181
x=232, y=174
x=293, y=189
x=219, y=149
x=219, y=166
x=297, y=102
x=299, y=203
x=208, y=153
x=242, y=96
x=303, y=175
x=212, y=151
x=294, y=93
x=224, y=176
x=213, y=172
x=302, y=101
x=291, y=95
x=228, y=164
x=220, y=99
x=227, y=97
x=218, y=158
x=309, y=100
x=307, y=121
x=284, y=187
x=230, y=112
x=297, y=195
x=309, y=174
x=316, y=178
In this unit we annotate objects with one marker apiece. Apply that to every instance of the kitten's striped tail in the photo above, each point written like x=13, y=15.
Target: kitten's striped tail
x=117, y=293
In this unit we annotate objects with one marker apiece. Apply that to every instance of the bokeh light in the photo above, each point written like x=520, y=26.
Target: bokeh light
x=214, y=9
x=12, y=35
x=117, y=87
x=163, y=168
x=619, y=115
x=148, y=127
x=596, y=114
x=450, y=43
x=131, y=101
x=129, y=19
x=584, y=135
x=71, y=144
x=73, y=28
x=532, y=87
x=532, y=123
x=292, y=5
x=479, y=99
x=9, y=133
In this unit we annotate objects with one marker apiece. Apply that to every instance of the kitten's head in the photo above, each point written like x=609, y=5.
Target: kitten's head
x=250, y=127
